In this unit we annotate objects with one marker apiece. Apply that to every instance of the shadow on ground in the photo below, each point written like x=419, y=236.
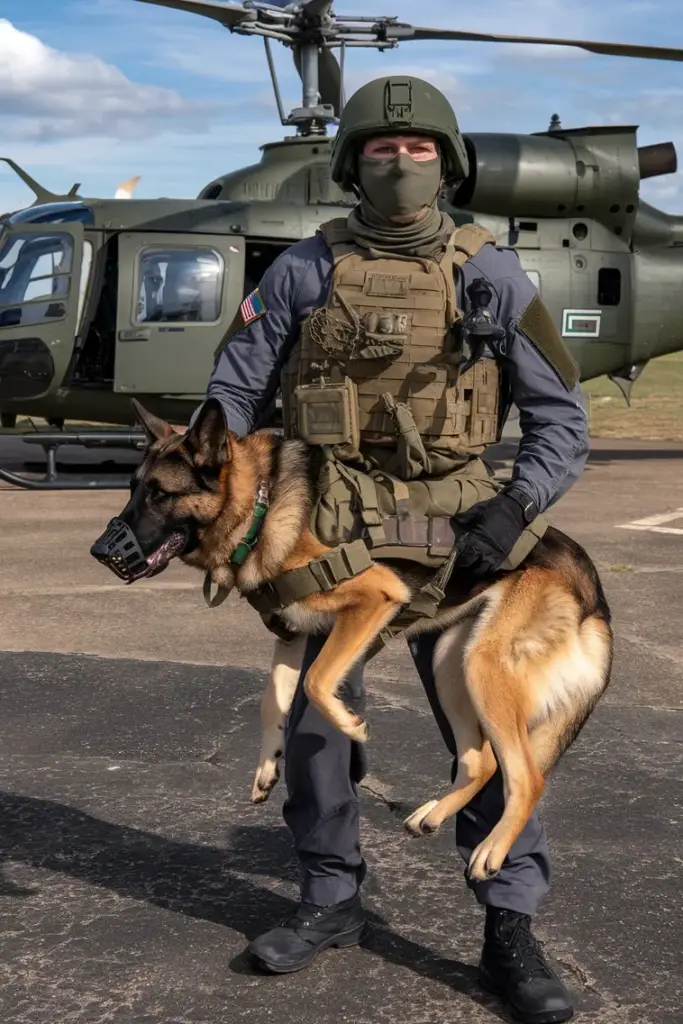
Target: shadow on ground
x=191, y=880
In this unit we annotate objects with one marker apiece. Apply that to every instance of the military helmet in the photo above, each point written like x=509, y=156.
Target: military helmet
x=399, y=105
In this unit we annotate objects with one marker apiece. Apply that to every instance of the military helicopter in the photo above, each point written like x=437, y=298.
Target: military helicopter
x=101, y=300
x=124, y=190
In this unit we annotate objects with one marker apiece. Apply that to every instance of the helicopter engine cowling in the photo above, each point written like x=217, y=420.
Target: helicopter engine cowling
x=587, y=172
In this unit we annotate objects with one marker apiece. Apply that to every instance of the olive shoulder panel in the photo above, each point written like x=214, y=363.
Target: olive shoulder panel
x=539, y=327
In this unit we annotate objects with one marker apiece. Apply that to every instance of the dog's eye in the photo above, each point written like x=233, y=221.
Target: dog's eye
x=154, y=490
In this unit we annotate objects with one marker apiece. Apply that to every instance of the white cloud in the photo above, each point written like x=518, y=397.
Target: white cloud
x=46, y=94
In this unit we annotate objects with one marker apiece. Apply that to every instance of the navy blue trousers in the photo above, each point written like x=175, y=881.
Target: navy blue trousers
x=322, y=771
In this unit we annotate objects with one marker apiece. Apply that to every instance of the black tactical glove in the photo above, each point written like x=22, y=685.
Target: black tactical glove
x=487, y=532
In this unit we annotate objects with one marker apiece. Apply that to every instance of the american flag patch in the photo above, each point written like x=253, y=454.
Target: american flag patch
x=252, y=308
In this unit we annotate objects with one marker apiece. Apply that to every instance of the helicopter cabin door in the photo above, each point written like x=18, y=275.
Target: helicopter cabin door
x=42, y=288
x=178, y=294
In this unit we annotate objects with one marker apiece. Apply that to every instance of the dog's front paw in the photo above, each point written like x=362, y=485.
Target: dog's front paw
x=417, y=824
x=487, y=860
x=267, y=775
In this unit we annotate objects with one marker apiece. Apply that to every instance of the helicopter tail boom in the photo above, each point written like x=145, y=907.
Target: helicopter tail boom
x=655, y=228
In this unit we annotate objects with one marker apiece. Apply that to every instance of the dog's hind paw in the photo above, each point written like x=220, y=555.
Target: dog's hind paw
x=416, y=823
x=267, y=775
x=359, y=731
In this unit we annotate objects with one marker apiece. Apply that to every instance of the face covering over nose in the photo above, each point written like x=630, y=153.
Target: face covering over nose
x=400, y=185
x=394, y=187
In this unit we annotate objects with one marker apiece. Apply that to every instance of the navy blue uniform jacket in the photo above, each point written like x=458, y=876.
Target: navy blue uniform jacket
x=554, y=445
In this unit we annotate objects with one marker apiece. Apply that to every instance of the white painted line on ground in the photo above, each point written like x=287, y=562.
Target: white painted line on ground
x=654, y=524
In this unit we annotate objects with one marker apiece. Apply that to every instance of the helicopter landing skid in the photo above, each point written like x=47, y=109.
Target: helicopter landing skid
x=51, y=442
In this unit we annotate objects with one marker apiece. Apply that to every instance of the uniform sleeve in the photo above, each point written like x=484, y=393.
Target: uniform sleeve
x=555, y=443
x=246, y=372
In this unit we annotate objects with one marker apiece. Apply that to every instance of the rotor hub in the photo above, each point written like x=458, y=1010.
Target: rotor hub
x=311, y=30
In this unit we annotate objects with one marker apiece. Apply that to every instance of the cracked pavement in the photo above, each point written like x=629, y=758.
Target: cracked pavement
x=134, y=868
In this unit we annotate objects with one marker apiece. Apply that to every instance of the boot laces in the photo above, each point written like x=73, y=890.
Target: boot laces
x=303, y=920
x=525, y=949
x=303, y=916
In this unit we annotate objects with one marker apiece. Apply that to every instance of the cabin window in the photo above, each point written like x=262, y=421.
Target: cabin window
x=609, y=286
x=35, y=278
x=179, y=285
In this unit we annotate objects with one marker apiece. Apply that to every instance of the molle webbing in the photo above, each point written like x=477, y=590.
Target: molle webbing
x=403, y=520
x=390, y=325
x=378, y=517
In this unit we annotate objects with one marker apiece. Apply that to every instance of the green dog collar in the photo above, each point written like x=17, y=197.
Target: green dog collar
x=251, y=539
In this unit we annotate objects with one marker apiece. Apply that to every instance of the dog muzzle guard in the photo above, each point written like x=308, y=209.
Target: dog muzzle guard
x=118, y=549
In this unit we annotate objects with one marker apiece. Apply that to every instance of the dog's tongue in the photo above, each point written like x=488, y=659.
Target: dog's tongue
x=166, y=552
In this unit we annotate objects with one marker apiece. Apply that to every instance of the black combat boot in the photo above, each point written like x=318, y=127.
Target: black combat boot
x=310, y=929
x=513, y=966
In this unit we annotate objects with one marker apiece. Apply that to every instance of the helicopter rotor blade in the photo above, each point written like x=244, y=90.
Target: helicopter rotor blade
x=330, y=78
x=228, y=15
x=126, y=188
x=401, y=32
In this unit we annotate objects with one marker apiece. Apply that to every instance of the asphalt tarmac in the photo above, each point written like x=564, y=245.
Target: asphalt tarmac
x=135, y=869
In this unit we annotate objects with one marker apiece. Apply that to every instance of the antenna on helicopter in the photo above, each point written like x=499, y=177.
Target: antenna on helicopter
x=311, y=30
x=555, y=123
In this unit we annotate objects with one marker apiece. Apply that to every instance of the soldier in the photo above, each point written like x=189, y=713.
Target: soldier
x=371, y=308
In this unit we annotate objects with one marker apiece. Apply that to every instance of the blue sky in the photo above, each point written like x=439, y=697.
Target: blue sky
x=99, y=90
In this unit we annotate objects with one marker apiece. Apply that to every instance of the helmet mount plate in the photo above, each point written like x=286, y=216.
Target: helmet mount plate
x=398, y=103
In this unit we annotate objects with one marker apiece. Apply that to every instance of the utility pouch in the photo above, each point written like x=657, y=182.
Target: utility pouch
x=327, y=413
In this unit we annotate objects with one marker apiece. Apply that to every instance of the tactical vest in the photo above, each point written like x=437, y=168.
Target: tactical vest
x=382, y=357
x=375, y=382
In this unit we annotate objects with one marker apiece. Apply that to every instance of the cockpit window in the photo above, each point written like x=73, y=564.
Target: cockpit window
x=35, y=277
x=54, y=213
x=179, y=285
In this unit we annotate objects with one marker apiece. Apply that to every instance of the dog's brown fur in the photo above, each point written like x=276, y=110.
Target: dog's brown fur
x=522, y=659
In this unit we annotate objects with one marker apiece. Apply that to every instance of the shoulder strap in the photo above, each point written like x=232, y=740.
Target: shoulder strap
x=464, y=243
x=338, y=237
x=335, y=231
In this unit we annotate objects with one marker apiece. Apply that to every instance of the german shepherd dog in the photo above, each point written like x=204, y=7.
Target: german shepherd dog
x=522, y=659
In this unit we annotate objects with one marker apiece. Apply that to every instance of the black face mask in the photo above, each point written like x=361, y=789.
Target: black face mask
x=399, y=185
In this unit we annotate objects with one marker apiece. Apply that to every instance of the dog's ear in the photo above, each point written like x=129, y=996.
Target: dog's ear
x=154, y=428
x=207, y=438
